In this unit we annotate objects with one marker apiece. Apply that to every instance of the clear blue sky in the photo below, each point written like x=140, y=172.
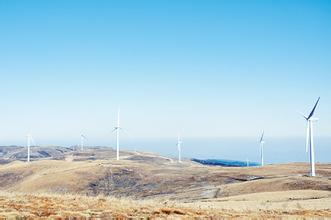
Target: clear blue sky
x=205, y=68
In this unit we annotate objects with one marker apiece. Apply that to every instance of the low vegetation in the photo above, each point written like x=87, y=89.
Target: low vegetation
x=54, y=206
x=90, y=184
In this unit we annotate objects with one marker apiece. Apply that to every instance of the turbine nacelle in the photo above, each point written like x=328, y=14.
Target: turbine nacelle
x=116, y=128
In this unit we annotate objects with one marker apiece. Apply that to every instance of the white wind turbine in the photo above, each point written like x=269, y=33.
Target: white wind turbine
x=82, y=139
x=310, y=138
x=29, y=139
x=179, y=148
x=117, y=128
x=261, y=148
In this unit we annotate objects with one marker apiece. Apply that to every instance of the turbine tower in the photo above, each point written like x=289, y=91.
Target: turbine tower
x=117, y=128
x=179, y=147
x=29, y=139
x=82, y=139
x=261, y=148
x=310, y=138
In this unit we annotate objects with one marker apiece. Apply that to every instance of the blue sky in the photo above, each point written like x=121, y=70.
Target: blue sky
x=205, y=68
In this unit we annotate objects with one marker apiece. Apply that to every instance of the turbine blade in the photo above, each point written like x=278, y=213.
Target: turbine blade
x=33, y=142
x=114, y=130
x=261, y=139
x=125, y=131
x=312, y=112
x=118, y=116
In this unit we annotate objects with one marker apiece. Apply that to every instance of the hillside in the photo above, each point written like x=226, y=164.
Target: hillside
x=193, y=188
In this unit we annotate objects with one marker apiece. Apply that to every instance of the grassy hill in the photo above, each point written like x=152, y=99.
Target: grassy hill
x=145, y=184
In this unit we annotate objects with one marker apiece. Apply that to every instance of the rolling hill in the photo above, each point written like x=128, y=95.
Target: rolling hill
x=192, y=189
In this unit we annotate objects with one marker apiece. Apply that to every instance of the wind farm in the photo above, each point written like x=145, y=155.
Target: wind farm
x=165, y=109
x=155, y=180
x=161, y=187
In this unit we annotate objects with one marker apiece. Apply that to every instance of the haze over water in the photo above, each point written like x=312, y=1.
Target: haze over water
x=277, y=150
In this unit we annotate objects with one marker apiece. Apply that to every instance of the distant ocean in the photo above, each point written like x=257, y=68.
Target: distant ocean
x=226, y=163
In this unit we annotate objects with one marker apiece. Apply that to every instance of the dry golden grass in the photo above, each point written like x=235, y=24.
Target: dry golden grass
x=16, y=205
x=148, y=186
x=146, y=179
x=285, y=205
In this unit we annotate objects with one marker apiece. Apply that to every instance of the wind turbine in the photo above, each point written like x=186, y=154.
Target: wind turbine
x=261, y=148
x=310, y=138
x=179, y=147
x=82, y=139
x=117, y=128
x=29, y=139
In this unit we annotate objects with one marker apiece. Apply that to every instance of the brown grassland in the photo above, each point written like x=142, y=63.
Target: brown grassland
x=142, y=185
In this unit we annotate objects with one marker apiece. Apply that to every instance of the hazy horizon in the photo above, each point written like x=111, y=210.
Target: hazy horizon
x=277, y=150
